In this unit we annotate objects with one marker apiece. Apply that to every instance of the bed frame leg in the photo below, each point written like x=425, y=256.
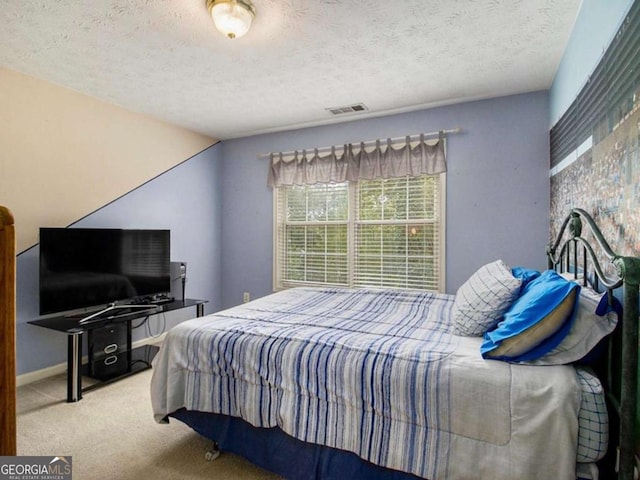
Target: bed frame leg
x=212, y=453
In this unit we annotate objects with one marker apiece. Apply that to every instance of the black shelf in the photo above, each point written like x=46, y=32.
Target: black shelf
x=110, y=362
x=141, y=358
x=66, y=323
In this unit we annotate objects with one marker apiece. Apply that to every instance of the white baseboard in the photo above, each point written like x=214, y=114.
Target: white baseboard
x=37, y=375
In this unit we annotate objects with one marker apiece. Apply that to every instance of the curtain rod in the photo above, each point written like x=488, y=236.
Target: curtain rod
x=368, y=143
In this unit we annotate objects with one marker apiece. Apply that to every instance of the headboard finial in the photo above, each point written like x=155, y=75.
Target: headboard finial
x=628, y=269
x=575, y=225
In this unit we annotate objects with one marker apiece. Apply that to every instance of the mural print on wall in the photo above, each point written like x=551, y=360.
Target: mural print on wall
x=605, y=181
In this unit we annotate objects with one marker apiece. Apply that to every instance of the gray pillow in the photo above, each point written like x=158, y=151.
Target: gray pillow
x=482, y=300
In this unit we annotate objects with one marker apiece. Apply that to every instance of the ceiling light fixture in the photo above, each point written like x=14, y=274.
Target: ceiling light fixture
x=232, y=17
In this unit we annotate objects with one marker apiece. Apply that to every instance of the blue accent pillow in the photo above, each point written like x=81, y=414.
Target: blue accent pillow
x=525, y=275
x=537, y=321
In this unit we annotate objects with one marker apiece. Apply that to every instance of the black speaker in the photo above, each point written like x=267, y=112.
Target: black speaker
x=178, y=280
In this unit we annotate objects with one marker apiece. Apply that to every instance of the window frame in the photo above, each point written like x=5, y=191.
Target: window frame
x=351, y=242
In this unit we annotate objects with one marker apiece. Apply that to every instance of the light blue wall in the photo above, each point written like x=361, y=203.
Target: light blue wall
x=186, y=200
x=595, y=27
x=219, y=208
x=497, y=187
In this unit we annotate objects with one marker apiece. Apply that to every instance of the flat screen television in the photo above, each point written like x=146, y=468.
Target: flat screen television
x=86, y=267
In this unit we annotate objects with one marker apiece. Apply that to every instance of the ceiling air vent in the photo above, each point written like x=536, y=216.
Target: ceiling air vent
x=358, y=107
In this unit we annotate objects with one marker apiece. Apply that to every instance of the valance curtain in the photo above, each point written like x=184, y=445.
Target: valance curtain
x=354, y=162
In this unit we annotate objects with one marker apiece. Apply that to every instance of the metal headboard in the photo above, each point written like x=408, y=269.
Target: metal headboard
x=564, y=254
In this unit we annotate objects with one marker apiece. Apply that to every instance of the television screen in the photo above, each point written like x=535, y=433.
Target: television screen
x=84, y=267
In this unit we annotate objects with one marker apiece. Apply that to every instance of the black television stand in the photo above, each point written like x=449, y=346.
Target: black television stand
x=112, y=353
x=152, y=308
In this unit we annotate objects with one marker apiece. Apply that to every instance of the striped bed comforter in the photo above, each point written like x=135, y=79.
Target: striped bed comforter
x=377, y=373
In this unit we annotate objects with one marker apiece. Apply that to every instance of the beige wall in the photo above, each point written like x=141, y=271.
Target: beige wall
x=64, y=155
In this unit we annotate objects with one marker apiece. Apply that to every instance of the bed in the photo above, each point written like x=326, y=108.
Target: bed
x=402, y=384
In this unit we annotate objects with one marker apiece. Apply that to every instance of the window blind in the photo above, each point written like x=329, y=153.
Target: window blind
x=397, y=233
x=312, y=227
x=377, y=233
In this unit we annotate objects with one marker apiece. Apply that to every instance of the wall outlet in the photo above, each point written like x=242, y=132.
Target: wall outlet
x=246, y=297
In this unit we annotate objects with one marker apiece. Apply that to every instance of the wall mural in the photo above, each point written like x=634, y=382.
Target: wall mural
x=605, y=181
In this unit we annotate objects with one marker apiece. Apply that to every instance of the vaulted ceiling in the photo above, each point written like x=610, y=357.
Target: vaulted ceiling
x=164, y=58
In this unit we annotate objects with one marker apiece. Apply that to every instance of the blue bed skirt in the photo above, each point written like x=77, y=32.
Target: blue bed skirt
x=274, y=450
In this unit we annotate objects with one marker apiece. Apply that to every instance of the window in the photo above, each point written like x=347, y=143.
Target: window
x=313, y=234
x=382, y=233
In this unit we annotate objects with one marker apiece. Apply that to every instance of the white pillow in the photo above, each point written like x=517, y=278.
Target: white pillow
x=482, y=300
x=593, y=421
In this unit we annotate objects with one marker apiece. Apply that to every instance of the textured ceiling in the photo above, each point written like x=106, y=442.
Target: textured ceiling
x=165, y=59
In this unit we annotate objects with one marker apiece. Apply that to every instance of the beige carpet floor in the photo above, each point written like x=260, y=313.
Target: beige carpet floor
x=111, y=434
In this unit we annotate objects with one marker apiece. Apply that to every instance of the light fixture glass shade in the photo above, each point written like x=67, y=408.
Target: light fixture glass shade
x=232, y=17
